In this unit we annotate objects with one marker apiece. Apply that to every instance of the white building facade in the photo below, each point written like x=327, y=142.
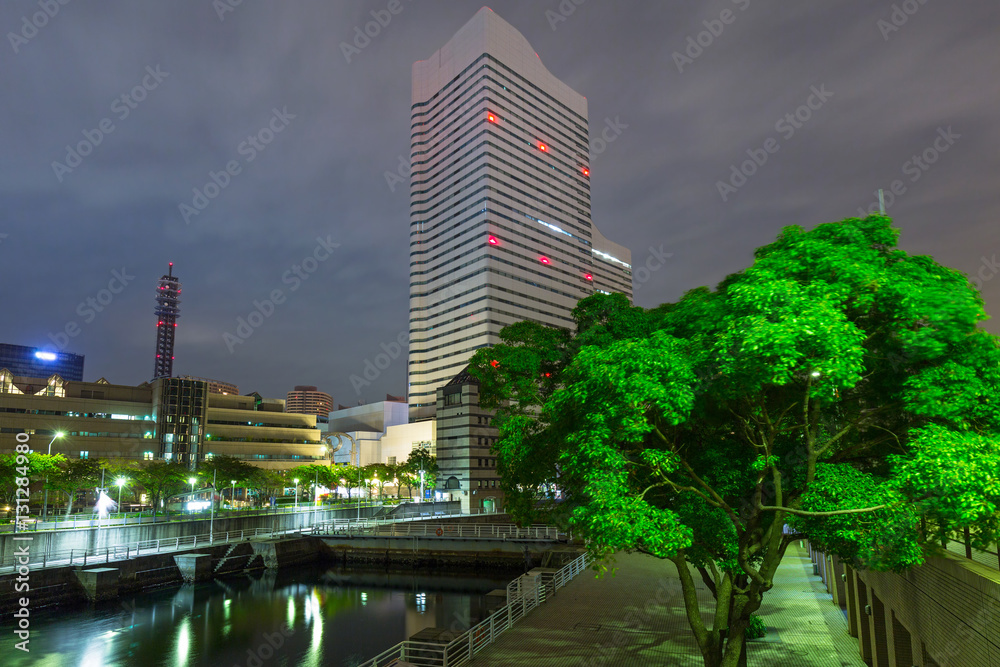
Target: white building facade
x=500, y=218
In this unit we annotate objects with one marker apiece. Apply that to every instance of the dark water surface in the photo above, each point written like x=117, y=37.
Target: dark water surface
x=304, y=616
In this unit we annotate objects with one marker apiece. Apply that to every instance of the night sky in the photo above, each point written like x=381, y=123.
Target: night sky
x=886, y=82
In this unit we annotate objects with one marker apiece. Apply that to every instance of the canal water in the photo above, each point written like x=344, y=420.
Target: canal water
x=309, y=616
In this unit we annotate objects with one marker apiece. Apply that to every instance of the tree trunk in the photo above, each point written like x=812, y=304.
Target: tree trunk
x=69, y=505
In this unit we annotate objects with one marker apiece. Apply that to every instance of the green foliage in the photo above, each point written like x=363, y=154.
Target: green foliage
x=756, y=629
x=838, y=384
x=161, y=480
x=35, y=465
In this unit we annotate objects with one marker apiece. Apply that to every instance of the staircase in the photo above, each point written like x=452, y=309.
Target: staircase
x=229, y=555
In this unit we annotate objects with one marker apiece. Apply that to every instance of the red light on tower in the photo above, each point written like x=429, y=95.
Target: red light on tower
x=494, y=240
x=542, y=147
x=588, y=276
x=586, y=172
x=491, y=118
x=544, y=260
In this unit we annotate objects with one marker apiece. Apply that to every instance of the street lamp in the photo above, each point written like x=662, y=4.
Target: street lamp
x=296, y=493
x=45, y=506
x=191, y=481
x=120, y=482
x=232, y=493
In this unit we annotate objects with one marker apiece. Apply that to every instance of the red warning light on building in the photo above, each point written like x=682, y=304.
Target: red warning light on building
x=494, y=240
x=544, y=260
x=586, y=172
x=491, y=118
x=542, y=147
x=588, y=276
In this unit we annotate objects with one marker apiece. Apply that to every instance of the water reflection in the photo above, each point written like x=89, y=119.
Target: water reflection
x=308, y=617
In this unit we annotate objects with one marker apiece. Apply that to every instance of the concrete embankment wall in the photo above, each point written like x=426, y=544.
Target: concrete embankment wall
x=945, y=612
x=60, y=585
x=428, y=552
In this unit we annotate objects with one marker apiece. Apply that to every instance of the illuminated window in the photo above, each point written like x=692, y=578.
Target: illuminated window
x=84, y=454
x=147, y=456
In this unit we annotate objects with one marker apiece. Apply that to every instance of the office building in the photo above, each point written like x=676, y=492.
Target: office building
x=500, y=216
x=169, y=419
x=308, y=400
x=215, y=386
x=24, y=361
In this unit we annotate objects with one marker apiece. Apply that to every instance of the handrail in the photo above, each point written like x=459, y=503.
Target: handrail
x=411, y=527
x=524, y=594
x=129, y=549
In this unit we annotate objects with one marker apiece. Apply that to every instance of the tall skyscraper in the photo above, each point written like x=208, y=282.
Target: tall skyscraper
x=168, y=309
x=500, y=223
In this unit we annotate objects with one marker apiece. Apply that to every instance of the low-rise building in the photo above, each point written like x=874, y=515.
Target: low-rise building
x=169, y=419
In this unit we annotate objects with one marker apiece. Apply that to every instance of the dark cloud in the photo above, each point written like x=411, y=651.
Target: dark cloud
x=323, y=176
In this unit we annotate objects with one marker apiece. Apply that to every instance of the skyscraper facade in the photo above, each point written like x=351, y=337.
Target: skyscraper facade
x=33, y=362
x=500, y=221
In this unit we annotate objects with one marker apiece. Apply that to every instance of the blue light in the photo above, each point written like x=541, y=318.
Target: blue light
x=47, y=356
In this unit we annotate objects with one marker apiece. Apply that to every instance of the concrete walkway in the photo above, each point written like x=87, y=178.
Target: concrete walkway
x=637, y=618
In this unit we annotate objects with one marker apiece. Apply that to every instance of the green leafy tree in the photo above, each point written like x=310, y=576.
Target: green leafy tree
x=421, y=459
x=36, y=466
x=838, y=386
x=379, y=473
x=264, y=484
x=74, y=475
x=162, y=480
x=224, y=470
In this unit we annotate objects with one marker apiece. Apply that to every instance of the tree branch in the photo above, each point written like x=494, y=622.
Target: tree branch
x=772, y=508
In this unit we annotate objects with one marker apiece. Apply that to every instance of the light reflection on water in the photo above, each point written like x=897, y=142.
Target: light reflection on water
x=307, y=616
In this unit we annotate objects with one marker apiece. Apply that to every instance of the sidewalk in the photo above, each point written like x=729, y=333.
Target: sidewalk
x=636, y=618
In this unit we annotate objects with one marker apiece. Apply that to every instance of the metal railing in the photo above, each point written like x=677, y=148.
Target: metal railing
x=60, y=558
x=523, y=594
x=409, y=528
x=90, y=520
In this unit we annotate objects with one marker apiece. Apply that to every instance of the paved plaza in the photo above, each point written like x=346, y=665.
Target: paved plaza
x=636, y=618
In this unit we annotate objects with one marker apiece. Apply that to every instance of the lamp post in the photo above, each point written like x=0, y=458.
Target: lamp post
x=421, y=486
x=191, y=481
x=120, y=482
x=232, y=493
x=296, y=493
x=45, y=505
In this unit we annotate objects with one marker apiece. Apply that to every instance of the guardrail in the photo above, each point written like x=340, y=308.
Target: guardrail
x=144, y=547
x=402, y=528
x=523, y=595
x=133, y=519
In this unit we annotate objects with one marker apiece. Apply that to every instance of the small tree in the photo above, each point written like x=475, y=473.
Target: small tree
x=32, y=465
x=74, y=475
x=421, y=459
x=161, y=480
